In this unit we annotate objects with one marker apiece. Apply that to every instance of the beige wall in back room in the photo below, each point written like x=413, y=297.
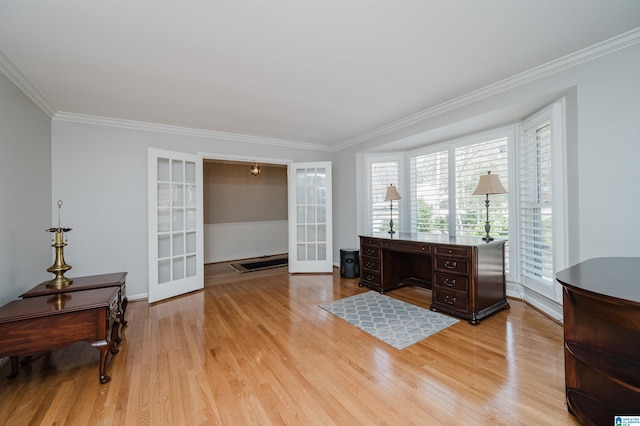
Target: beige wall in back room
x=232, y=194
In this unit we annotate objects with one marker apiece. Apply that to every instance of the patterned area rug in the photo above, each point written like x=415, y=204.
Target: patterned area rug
x=393, y=321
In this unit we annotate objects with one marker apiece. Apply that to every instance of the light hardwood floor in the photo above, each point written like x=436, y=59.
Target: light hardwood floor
x=255, y=349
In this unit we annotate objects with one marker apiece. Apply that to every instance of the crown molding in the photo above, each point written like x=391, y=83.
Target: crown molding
x=184, y=131
x=598, y=50
x=13, y=73
x=606, y=47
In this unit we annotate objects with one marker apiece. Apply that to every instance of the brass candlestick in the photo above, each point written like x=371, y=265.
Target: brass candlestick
x=59, y=266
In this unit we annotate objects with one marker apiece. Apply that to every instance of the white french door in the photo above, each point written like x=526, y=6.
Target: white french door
x=310, y=217
x=176, y=261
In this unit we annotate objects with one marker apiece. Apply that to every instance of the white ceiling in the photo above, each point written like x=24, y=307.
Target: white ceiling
x=317, y=72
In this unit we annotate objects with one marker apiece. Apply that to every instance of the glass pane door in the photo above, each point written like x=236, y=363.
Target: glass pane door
x=175, y=224
x=310, y=234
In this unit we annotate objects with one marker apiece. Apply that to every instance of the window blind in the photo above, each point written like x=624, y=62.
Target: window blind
x=383, y=173
x=535, y=205
x=429, y=185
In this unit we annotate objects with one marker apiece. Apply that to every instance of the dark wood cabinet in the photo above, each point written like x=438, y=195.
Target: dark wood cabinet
x=601, y=306
x=115, y=279
x=45, y=323
x=465, y=274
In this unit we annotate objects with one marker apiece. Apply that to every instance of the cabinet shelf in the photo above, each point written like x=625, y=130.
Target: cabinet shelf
x=622, y=371
x=590, y=411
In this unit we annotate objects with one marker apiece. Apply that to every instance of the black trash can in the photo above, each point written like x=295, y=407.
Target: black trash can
x=349, y=263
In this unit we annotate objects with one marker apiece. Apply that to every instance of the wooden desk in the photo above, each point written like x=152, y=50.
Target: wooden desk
x=116, y=279
x=601, y=304
x=465, y=274
x=44, y=323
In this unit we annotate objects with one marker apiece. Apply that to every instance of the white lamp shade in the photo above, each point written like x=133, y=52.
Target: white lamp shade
x=489, y=184
x=392, y=193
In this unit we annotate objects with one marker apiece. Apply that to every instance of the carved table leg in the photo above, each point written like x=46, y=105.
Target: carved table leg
x=103, y=347
x=123, y=310
x=115, y=331
x=115, y=339
x=14, y=367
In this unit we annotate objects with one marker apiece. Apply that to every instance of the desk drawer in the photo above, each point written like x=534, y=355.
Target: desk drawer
x=407, y=246
x=452, y=265
x=452, y=301
x=368, y=241
x=370, y=264
x=371, y=277
x=453, y=282
x=451, y=251
x=370, y=251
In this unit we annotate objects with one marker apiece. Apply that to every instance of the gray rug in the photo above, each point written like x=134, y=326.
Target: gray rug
x=393, y=321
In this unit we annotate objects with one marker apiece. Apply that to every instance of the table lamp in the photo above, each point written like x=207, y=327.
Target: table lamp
x=392, y=194
x=489, y=184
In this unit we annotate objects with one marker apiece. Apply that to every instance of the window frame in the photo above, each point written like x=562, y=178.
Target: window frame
x=555, y=114
x=370, y=159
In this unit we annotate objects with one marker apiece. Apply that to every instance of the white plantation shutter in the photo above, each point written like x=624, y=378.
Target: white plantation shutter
x=429, y=184
x=536, y=206
x=472, y=161
x=382, y=174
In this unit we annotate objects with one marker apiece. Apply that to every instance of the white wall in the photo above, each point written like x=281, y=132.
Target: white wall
x=100, y=172
x=242, y=240
x=25, y=193
x=609, y=155
x=603, y=152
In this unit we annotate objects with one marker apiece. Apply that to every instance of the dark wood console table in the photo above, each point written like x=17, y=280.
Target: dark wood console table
x=116, y=279
x=44, y=323
x=601, y=304
x=465, y=274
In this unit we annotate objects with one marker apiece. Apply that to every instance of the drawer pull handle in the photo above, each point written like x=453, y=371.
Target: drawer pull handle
x=450, y=265
x=369, y=252
x=423, y=248
x=370, y=264
x=370, y=277
x=449, y=283
x=450, y=251
x=450, y=300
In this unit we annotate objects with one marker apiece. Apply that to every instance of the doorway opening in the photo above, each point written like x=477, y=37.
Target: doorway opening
x=245, y=213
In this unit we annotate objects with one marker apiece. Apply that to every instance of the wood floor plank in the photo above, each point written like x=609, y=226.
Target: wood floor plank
x=255, y=348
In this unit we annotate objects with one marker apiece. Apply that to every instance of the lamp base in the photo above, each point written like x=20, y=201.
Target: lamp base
x=487, y=226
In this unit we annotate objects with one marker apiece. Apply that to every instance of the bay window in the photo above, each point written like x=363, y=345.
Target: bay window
x=528, y=157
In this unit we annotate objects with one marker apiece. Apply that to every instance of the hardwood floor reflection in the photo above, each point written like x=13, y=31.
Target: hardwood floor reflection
x=255, y=348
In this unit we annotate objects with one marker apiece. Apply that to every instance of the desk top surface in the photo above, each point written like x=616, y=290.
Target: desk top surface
x=615, y=277
x=35, y=307
x=80, y=283
x=436, y=239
